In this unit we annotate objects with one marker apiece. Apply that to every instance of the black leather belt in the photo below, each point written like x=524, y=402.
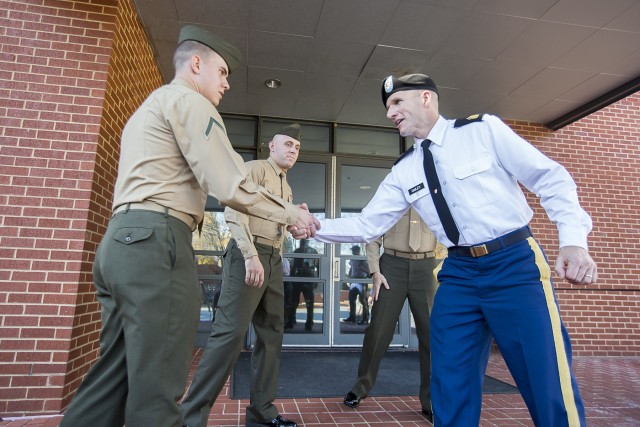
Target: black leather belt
x=492, y=245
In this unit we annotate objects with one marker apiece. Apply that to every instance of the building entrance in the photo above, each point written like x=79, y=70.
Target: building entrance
x=327, y=287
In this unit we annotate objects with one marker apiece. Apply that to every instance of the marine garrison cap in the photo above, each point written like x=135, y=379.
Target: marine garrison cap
x=292, y=130
x=226, y=50
x=392, y=84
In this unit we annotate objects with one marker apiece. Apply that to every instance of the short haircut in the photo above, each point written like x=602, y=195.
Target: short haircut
x=186, y=50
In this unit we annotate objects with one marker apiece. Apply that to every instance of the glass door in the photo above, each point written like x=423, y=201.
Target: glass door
x=356, y=182
x=306, y=263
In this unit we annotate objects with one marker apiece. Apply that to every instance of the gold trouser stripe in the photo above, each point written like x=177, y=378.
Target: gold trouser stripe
x=561, y=356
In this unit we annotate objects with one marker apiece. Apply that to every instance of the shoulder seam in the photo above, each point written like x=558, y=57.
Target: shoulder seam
x=403, y=155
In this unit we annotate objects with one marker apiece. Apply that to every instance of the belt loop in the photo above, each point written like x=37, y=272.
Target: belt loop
x=126, y=210
x=166, y=211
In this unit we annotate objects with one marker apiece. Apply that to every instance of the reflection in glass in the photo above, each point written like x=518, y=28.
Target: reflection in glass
x=241, y=131
x=357, y=186
x=210, y=278
x=367, y=141
x=308, y=184
x=215, y=233
x=300, y=295
x=208, y=247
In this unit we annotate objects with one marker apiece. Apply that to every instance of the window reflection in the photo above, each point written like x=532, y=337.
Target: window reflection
x=209, y=245
x=303, y=296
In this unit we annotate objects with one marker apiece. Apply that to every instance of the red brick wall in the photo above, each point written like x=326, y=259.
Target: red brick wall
x=602, y=153
x=131, y=59
x=62, y=69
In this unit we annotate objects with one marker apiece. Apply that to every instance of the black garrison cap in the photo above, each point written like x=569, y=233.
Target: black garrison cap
x=292, y=130
x=226, y=50
x=391, y=84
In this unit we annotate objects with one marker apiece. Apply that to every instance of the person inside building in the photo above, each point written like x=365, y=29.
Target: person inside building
x=302, y=267
x=403, y=272
x=358, y=290
x=252, y=293
x=174, y=152
x=463, y=177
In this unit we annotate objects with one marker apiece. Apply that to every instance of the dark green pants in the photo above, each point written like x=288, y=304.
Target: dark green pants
x=407, y=279
x=146, y=283
x=239, y=305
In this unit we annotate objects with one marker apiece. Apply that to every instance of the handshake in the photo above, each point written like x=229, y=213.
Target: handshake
x=306, y=225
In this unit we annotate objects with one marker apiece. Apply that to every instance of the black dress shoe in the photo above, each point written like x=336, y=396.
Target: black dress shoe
x=276, y=422
x=352, y=400
x=428, y=413
x=349, y=320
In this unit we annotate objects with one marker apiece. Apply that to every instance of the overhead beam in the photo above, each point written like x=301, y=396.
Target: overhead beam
x=608, y=98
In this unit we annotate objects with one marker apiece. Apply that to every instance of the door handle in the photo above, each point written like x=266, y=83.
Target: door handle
x=336, y=270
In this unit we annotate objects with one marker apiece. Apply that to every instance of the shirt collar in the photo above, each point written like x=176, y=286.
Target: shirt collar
x=182, y=82
x=436, y=135
x=275, y=166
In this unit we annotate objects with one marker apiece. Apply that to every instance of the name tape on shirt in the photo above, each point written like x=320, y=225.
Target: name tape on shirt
x=416, y=188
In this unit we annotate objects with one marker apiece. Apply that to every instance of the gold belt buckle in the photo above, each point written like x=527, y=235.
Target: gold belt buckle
x=480, y=250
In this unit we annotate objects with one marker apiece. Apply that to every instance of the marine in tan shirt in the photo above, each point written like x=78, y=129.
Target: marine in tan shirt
x=252, y=292
x=174, y=151
x=404, y=271
x=244, y=228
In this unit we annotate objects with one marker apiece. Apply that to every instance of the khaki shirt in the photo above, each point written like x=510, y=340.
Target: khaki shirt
x=243, y=228
x=397, y=239
x=175, y=151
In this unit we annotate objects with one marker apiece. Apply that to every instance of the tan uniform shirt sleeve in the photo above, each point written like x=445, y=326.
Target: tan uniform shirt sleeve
x=373, y=255
x=239, y=226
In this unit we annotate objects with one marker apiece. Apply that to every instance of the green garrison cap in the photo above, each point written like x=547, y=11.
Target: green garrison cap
x=392, y=84
x=226, y=50
x=292, y=130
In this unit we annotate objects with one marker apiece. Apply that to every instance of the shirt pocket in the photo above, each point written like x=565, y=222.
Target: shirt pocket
x=478, y=181
x=420, y=197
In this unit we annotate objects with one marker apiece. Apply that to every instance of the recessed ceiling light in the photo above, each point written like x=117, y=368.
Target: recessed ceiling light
x=365, y=187
x=273, y=83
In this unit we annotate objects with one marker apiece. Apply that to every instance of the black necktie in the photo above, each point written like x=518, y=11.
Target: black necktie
x=444, y=213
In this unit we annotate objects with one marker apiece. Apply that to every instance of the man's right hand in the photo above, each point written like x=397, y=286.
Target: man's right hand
x=254, y=271
x=306, y=225
x=378, y=279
